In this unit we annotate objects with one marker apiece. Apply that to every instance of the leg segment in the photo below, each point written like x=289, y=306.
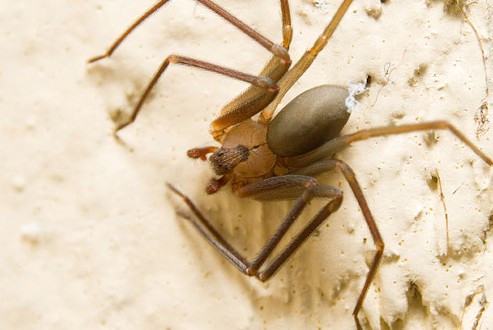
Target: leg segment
x=347, y=172
x=287, y=29
x=284, y=187
x=247, y=104
x=342, y=142
x=266, y=43
x=263, y=82
x=305, y=61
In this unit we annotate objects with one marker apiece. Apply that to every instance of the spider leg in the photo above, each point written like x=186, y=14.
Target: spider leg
x=285, y=187
x=303, y=188
x=235, y=111
x=211, y=235
x=298, y=240
x=287, y=81
x=263, y=88
x=266, y=43
x=335, y=164
x=339, y=143
x=263, y=82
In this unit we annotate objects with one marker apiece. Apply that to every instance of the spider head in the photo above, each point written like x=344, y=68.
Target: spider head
x=224, y=160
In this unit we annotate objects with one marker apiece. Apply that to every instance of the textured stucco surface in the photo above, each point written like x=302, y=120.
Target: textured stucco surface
x=90, y=238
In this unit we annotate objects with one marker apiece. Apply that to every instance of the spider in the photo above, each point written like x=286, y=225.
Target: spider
x=278, y=157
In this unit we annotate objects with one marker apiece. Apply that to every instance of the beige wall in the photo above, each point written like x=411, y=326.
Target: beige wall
x=90, y=239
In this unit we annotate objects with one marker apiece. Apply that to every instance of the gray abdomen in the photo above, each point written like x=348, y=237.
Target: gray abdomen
x=308, y=121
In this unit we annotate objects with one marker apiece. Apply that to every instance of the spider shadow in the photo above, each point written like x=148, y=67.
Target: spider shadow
x=316, y=278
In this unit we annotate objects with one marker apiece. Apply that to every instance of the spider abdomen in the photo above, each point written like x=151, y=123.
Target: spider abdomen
x=309, y=120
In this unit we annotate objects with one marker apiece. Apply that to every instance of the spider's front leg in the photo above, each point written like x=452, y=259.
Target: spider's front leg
x=253, y=100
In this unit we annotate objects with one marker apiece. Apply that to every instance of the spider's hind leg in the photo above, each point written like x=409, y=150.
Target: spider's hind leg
x=303, y=188
x=335, y=164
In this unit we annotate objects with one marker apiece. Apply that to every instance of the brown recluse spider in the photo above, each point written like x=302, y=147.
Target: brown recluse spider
x=277, y=158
